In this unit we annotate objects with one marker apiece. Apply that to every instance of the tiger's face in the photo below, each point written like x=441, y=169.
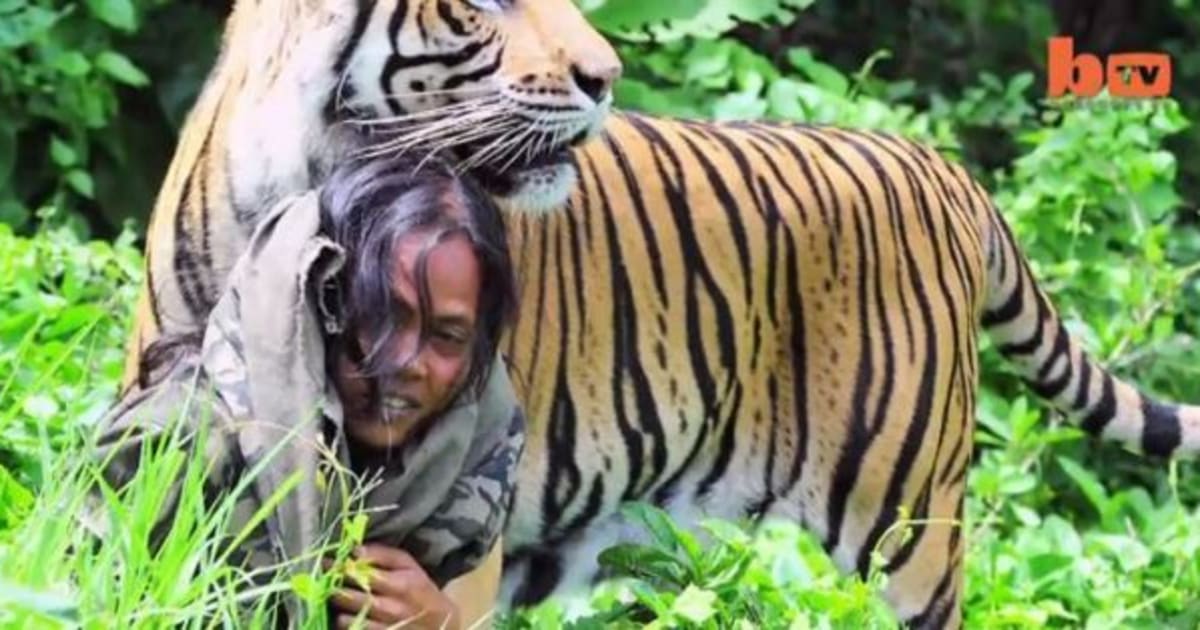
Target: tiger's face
x=504, y=88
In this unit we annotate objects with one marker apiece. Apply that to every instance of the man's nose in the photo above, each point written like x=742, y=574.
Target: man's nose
x=410, y=355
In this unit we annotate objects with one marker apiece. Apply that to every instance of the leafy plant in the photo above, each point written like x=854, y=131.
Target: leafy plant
x=723, y=578
x=63, y=308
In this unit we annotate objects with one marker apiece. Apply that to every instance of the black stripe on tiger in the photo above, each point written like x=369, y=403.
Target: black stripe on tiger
x=365, y=9
x=941, y=604
x=483, y=72
x=543, y=574
x=654, y=252
x=695, y=272
x=576, y=251
x=907, y=164
x=922, y=410
x=624, y=345
x=187, y=261
x=726, y=446
x=862, y=431
x=396, y=62
x=1015, y=304
x=1034, y=342
x=728, y=202
x=563, y=478
x=446, y=13
x=1045, y=386
x=1161, y=433
x=1105, y=410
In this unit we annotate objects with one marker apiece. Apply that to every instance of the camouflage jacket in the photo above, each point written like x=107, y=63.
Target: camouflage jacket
x=258, y=386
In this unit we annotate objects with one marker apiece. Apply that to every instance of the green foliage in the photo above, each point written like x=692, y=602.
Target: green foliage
x=1094, y=204
x=67, y=76
x=779, y=576
x=665, y=21
x=60, y=73
x=106, y=559
x=64, y=305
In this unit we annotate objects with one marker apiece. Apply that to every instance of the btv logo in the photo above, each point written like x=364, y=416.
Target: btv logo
x=1128, y=75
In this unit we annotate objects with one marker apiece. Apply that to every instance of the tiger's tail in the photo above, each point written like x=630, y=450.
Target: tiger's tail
x=1020, y=319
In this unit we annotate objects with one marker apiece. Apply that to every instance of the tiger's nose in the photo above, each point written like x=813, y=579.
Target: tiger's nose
x=596, y=81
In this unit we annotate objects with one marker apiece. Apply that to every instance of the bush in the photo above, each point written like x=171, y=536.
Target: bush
x=64, y=305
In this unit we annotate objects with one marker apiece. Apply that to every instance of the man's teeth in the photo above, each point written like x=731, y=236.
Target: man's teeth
x=399, y=404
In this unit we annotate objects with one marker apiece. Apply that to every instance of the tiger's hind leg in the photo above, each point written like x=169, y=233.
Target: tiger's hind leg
x=925, y=576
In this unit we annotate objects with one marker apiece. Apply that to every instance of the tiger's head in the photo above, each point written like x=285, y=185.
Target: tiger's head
x=504, y=87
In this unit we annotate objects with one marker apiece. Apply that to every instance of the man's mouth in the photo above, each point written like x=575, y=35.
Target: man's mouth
x=398, y=407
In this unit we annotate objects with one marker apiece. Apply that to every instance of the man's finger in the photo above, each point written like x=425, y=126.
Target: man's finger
x=387, y=557
x=405, y=585
x=350, y=600
x=346, y=622
x=378, y=607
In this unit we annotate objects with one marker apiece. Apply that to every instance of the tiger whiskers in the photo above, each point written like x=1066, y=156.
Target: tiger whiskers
x=485, y=154
x=497, y=148
x=500, y=130
x=529, y=149
x=452, y=125
x=433, y=116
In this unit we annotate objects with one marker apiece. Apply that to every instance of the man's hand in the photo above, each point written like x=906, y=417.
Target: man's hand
x=399, y=592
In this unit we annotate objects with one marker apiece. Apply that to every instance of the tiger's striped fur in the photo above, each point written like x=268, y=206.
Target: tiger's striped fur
x=749, y=320
x=729, y=320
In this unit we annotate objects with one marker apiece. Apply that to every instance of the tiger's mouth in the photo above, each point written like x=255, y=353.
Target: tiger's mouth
x=504, y=173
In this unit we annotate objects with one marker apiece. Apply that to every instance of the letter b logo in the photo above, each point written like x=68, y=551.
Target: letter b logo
x=1082, y=75
x=1128, y=75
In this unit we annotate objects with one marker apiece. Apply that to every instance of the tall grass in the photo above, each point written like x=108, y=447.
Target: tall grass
x=152, y=553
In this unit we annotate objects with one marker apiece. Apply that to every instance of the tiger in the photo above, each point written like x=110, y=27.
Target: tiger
x=739, y=320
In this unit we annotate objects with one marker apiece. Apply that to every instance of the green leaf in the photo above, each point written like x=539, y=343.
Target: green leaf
x=657, y=521
x=81, y=181
x=821, y=74
x=61, y=153
x=72, y=64
x=18, y=29
x=1045, y=565
x=15, y=500
x=1087, y=482
x=119, y=67
x=72, y=319
x=306, y=586
x=13, y=212
x=621, y=15
x=643, y=562
x=696, y=605
x=120, y=14
x=40, y=406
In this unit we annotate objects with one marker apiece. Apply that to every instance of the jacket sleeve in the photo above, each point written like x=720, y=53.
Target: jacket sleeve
x=177, y=414
x=469, y=521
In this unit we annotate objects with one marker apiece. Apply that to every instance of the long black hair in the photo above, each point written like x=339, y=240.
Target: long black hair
x=367, y=205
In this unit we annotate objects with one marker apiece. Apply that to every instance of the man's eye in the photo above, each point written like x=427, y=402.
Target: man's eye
x=452, y=335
